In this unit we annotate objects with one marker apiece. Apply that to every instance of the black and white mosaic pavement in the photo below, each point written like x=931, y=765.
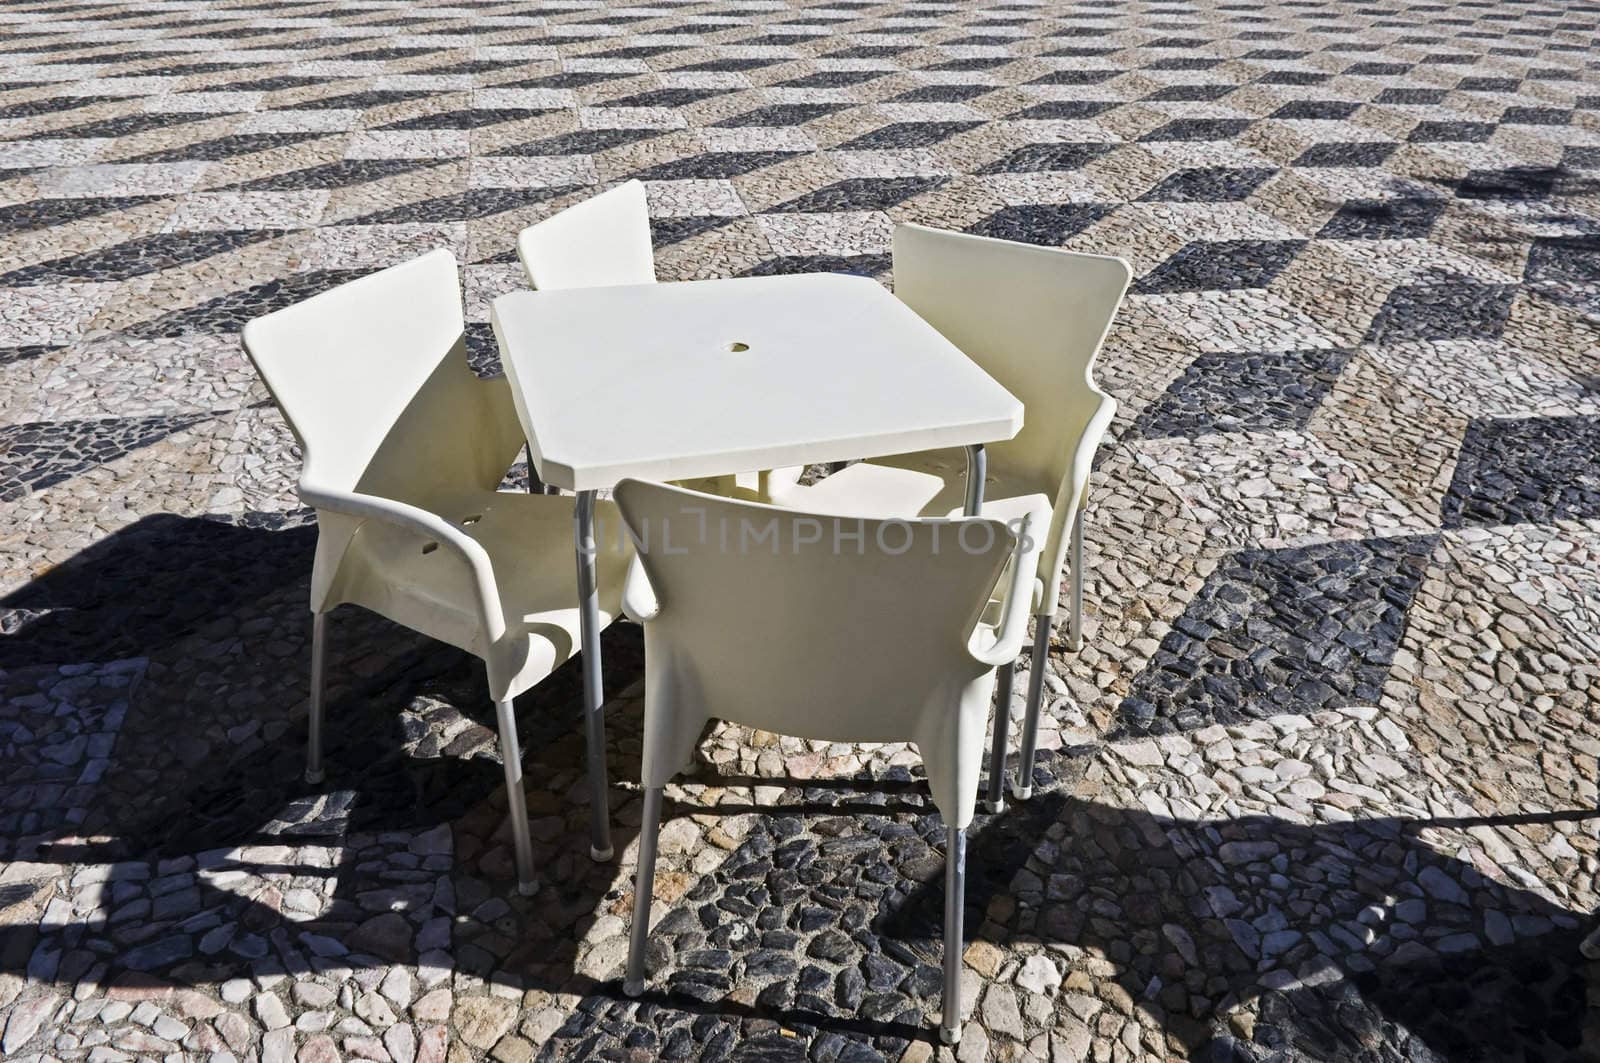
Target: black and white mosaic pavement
x=1319, y=786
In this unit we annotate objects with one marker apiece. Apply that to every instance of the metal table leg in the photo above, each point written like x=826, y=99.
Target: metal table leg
x=535, y=485
x=593, y=685
x=977, y=469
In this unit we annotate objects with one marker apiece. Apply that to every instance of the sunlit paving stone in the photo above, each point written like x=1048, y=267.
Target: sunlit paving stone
x=1321, y=783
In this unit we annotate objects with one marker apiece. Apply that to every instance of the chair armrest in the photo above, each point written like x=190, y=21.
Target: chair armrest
x=1094, y=430
x=427, y=525
x=1000, y=646
x=639, y=600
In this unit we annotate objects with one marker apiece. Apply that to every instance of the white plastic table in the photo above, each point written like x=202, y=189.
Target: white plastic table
x=711, y=378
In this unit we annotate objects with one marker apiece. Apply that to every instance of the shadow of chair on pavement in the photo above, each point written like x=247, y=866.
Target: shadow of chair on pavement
x=197, y=631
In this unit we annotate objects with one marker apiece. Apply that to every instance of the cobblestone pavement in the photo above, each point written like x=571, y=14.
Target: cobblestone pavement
x=1320, y=785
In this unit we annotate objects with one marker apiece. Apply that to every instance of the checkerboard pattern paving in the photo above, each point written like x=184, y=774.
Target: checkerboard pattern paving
x=1318, y=786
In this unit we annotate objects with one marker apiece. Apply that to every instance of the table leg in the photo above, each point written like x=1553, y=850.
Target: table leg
x=977, y=469
x=593, y=685
x=535, y=485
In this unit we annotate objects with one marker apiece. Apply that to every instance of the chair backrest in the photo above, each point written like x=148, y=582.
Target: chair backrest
x=822, y=627
x=599, y=243
x=1033, y=317
x=373, y=379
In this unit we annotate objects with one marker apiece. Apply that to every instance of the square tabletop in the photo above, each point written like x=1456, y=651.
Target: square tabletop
x=709, y=378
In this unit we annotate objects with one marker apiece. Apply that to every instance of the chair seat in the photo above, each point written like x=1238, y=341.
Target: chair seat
x=530, y=539
x=925, y=484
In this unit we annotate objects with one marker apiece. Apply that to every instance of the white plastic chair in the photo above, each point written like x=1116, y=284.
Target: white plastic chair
x=601, y=242
x=850, y=630
x=604, y=242
x=1034, y=318
x=403, y=449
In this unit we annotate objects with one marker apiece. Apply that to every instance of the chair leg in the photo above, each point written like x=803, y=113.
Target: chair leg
x=516, y=797
x=319, y=682
x=1037, y=663
x=955, y=889
x=995, y=800
x=536, y=486
x=594, y=697
x=1075, y=624
x=644, y=885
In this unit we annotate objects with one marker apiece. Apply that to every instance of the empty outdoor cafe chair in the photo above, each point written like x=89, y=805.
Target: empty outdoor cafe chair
x=604, y=242
x=598, y=243
x=1034, y=318
x=403, y=450
x=860, y=631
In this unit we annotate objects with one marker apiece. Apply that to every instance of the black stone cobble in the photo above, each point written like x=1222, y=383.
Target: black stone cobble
x=904, y=135
x=1281, y=631
x=227, y=314
x=40, y=454
x=1220, y=265
x=1384, y=219
x=1046, y=224
x=1034, y=158
x=1363, y=154
x=1212, y=184
x=1243, y=393
x=148, y=254
x=463, y=206
x=713, y=165
x=781, y=114
x=859, y=193
x=47, y=213
x=226, y=147
x=1525, y=470
x=1445, y=308
x=581, y=142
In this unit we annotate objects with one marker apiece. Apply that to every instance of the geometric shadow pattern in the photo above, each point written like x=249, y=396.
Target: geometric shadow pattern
x=1293, y=182
x=144, y=587
x=839, y=929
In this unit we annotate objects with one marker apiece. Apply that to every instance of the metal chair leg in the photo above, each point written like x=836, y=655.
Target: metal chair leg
x=1075, y=624
x=1038, y=662
x=995, y=801
x=977, y=475
x=319, y=682
x=955, y=888
x=516, y=797
x=644, y=884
